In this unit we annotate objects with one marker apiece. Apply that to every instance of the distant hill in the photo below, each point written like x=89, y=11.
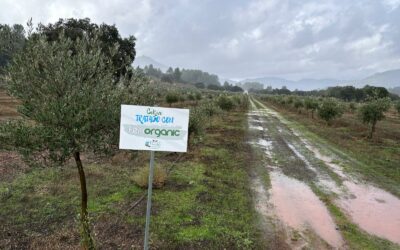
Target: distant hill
x=143, y=61
x=395, y=90
x=387, y=79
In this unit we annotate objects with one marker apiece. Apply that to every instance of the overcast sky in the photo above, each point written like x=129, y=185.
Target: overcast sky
x=343, y=39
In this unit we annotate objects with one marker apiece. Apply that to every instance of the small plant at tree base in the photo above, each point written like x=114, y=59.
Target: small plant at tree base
x=374, y=111
x=329, y=110
x=171, y=98
x=141, y=177
x=311, y=104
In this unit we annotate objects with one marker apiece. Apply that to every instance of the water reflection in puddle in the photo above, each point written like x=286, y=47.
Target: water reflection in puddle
x=297, y=206
x=373, y=209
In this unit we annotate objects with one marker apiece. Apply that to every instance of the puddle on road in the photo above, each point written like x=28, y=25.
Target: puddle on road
x=373, y=209
x=300, y=156
x=298, y=207
x=326, y=159
x=256, y=127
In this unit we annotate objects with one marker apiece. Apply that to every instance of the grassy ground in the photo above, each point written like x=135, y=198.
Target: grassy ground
x=205, y=203
x=376, y=160
x=7, y=106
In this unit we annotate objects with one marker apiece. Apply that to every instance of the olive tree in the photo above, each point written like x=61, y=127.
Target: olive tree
x=298, y=104
x=70, y=103
x=172, y=97
x=311, y=104
x=373, y=111
x=329, y=110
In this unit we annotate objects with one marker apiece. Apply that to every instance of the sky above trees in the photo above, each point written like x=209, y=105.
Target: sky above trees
x=248, y=38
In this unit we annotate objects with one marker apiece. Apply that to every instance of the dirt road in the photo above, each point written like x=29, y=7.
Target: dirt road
x=307, y=197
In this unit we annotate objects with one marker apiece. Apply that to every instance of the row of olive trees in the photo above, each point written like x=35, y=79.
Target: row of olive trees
x=180, y=96
x=328, y=109
x=70, y=102
x=214, y=105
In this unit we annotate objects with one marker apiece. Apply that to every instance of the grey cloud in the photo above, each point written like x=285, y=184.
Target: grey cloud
x=240, y=39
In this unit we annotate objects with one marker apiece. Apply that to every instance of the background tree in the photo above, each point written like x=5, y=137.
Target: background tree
x=311, y=104
x=199, y=85
x=374, y=111
x=12, y=40
x=108, y=36
x=372, y=92
x=194, y=76
x=170, y=71
x=177, y=75
x=70, y=103
x=167, y=78
x=329, y=109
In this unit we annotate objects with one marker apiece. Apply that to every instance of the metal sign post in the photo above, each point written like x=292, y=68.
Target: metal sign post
x=148, y=211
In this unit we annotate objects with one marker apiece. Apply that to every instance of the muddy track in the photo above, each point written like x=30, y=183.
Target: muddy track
x=296, y=169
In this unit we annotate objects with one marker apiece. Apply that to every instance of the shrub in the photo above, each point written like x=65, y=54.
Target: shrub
x=397, y=106
x=191, y=97
x=196, y=121
x=171, y=97
x=209, y=110
x=198, y=96
x=311, y=104
x=141, y=177
x=329, y=109
x=352, y=107
x=225, y=103
x=373, y=111
x=298, y=104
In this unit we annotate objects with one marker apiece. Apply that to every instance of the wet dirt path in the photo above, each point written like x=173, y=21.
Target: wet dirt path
x=295, y=165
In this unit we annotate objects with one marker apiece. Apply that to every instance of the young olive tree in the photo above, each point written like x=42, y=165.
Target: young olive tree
x=374, y=111
x=311, y=104
x=70, y=102
x=171, y=98
x=298, y=104
x=329, y=110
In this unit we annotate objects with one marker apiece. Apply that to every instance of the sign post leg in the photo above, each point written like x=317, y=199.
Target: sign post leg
x=148, y=211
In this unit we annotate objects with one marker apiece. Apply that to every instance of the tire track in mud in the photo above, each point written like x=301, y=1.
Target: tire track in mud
x=294, y=164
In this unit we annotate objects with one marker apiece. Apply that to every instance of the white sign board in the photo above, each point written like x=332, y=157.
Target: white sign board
x=153, y=128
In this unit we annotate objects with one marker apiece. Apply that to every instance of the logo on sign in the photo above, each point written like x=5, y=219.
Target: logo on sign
x=152, y=144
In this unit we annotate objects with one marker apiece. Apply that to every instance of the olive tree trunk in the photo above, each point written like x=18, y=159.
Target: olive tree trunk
x=371, y=132
x=85, y=229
